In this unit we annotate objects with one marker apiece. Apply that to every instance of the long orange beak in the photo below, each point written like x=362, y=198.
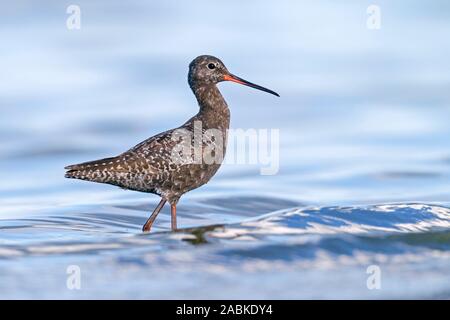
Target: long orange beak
x=233, y=78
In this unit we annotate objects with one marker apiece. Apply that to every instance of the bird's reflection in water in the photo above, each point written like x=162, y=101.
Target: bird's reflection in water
x=199, y=235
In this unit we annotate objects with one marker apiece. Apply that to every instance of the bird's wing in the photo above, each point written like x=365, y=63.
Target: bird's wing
x=152, y=156
x=162, y=152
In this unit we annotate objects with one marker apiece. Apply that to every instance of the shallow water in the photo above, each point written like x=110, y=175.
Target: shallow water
x=364, y=151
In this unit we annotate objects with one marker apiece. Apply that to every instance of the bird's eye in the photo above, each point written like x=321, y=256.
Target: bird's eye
x=211, y=66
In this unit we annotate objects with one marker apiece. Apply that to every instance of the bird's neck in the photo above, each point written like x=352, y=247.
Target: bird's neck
x=214, y=112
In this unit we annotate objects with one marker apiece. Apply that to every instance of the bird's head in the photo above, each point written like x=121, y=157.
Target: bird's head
x=208, y=70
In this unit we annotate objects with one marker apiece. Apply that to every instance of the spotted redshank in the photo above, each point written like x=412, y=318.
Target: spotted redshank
x=153, y=166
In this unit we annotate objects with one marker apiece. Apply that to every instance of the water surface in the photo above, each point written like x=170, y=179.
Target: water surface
x=364, y=150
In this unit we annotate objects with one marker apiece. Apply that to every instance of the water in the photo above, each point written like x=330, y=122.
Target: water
x=364, y=156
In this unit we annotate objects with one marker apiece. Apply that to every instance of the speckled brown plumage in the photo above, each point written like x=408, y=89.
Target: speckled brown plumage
x=151, y=166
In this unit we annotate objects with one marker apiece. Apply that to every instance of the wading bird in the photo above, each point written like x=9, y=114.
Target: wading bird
x=158, y=165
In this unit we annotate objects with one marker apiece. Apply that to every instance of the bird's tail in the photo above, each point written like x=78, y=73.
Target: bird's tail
x=91, y=171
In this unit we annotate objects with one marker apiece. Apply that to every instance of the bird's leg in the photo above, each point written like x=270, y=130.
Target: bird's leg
x=148, y=225
x=173, y=211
